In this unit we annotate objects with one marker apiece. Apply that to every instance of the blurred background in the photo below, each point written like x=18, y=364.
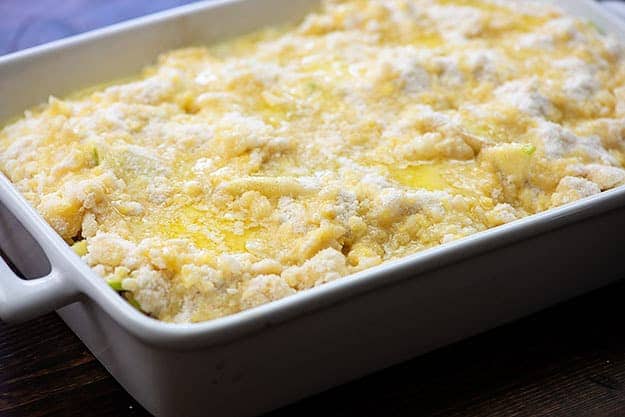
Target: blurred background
x=26, y=23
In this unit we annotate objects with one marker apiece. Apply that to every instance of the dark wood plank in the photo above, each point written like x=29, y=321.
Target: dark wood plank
x=566, y=361
x=45, y=370
x=569, y=360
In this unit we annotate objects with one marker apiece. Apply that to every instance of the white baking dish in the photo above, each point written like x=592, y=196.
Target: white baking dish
x=266, y=357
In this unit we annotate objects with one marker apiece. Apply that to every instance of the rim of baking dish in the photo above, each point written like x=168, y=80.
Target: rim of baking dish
x=227, y=328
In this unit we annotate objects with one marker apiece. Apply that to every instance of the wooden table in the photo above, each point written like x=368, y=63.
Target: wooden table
x=567, y=361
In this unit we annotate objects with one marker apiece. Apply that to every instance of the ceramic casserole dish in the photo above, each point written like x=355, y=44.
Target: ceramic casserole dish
x=260, y=359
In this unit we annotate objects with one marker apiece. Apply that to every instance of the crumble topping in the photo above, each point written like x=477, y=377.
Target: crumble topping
x=227, y=177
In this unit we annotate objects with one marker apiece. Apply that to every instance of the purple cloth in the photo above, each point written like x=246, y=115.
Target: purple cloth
x=26, y=23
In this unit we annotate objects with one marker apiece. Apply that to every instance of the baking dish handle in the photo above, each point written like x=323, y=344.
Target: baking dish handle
x=21, y=299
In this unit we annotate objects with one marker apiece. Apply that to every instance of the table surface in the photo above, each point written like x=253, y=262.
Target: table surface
x=566, y=361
